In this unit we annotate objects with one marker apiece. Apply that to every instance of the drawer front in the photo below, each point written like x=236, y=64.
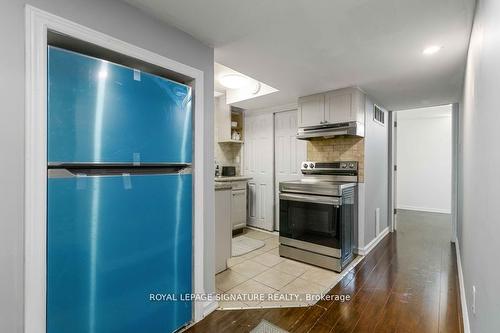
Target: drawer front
x=239, y=185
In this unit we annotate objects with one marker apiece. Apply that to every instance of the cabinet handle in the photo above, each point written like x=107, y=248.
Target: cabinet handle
x=238, y=193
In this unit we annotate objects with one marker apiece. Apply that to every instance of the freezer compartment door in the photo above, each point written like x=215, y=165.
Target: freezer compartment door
x=100, y=112
x=112, y=242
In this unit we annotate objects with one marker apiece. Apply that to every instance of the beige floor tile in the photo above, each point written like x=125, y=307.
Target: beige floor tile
x=303, y=288
x=251, y=290
x=258, y=234
x=268, y=259
x=274, y=251
x=251, y=254
x=249, y=268
x=321, y=276
x=292, y=267
x=287, y=300
x=271, y=243
x=274, y=278
x=229, y=279
x=235, y=261
x=230, y=305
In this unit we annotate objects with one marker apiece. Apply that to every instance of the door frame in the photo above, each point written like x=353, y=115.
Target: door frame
x=454, y=169
x=392, y=172
x=38, y=23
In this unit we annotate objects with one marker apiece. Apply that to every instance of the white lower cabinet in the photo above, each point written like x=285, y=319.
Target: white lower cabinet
x=239, y=205
x=223, y=228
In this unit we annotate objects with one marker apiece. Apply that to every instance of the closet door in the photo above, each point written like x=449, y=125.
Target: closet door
x=258, y=164
x=289, y=153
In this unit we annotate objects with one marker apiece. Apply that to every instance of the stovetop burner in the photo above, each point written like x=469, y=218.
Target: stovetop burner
x=324, y=178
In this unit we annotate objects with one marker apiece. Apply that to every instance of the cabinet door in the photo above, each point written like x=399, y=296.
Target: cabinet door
x=239, y=208
x=222, y=119
x=311, y=110
x=338, y=107
x=223, y=229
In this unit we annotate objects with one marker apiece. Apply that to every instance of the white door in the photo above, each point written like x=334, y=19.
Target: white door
x=289, y=153
x=258, y=164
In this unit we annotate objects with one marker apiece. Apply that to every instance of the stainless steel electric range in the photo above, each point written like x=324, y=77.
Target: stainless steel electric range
x=318, y=214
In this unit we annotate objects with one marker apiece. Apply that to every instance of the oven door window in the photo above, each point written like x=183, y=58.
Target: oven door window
x=310, y=222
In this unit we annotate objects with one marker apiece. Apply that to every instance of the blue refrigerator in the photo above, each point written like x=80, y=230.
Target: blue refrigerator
x=119, y=215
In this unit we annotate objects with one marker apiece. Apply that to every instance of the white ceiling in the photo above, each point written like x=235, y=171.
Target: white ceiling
x=302, y=46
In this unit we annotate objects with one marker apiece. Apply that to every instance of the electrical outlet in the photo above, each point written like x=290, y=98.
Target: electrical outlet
x=473, y=300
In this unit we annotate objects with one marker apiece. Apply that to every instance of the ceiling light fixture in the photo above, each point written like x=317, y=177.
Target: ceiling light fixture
x=233, y=81
x=431, y=50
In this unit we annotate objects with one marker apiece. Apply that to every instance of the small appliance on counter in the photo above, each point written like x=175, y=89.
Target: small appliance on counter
x=217, y=169
x=318, y=214
x=228, y=171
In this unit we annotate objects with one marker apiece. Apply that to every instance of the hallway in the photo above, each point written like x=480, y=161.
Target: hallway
x=408, y=283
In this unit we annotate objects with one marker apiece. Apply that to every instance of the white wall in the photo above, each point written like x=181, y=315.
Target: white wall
x=111, y=17
x=376, y=184
x=424, y=159
x=479, y=170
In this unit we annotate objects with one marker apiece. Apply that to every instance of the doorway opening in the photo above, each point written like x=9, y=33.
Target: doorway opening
x=423, y=174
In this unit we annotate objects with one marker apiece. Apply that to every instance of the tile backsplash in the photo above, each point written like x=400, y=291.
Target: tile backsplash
x=228, y=154
x=339, y=148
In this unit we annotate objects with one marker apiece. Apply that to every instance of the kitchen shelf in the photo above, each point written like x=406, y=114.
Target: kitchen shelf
x=232, y=141
x=225, y=115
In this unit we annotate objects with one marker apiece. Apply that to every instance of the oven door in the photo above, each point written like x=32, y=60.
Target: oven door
x=311, y=222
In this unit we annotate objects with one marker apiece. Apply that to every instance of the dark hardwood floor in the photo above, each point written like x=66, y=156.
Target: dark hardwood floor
x=408, y=283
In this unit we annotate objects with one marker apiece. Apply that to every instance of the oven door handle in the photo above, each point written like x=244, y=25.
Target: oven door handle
x=319, y=199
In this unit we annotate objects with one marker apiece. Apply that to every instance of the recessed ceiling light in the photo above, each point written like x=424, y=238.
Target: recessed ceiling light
x=431, y=50
x=233, y=81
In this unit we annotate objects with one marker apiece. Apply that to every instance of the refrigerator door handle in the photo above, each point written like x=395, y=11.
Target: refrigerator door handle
x=117, y=171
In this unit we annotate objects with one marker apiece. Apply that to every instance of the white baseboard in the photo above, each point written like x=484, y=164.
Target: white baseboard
x=463, y=300
x=209, y=307
x=365, y=250
x=425, y=209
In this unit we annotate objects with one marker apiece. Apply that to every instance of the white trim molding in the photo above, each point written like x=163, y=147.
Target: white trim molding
x=463, y=300
x=275, y=109
x=38, y=23
x=370, y=246
x=425, y=209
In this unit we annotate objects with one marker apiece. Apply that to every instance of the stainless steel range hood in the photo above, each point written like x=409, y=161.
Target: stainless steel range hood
x=352, y=128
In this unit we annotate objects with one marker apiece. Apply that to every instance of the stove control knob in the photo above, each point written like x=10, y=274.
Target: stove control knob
x=351, y=165
x=305, y=165
x=311, y=165
x=343, y=165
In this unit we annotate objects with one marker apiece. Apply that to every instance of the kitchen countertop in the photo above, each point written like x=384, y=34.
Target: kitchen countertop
x=231, y=179
x=223, y=186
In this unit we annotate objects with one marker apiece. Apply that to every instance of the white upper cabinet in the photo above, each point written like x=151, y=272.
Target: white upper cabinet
x=338, y=106
x=311, y=110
